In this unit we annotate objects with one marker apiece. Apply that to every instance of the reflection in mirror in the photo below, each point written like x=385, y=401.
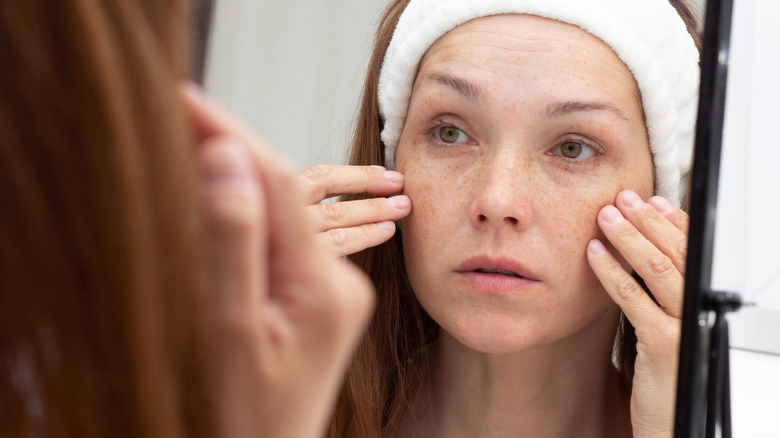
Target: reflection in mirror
x=296, y=76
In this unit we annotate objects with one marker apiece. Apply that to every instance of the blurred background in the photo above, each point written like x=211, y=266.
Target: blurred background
x=293, y=70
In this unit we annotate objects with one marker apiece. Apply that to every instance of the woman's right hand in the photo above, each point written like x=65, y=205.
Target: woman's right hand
x=287, y=314
x=351, y=226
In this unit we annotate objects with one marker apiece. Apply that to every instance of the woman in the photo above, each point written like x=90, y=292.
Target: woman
x=146, y=287
x=527, y=137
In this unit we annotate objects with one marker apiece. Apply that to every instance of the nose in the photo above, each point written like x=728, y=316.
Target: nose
x=503, y=196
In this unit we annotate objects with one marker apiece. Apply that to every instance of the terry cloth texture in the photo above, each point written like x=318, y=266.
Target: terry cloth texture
x=647, y=35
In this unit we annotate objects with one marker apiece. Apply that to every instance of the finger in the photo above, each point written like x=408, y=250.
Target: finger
x=655, y=227
x=655, y=267
x=675, y=215
x=209, y=119
x=321, y=182
x=293, y=231
x=233, y=211
x=346, y=241
x=638, y=307
x=331, y=215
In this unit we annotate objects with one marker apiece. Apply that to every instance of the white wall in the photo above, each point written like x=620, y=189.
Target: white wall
x=293, y=70
x=747, y=226
x=747, y=231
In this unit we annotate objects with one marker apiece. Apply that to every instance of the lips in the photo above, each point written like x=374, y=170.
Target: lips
x=497, y=275
x=499, y=271
x=504, y=266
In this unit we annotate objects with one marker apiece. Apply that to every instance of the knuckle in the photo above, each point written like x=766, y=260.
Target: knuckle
x=681, y=254
x=368, y=232
x=331, y=214
x=312, y=181
x=627, y=232
x=659, y=265
x=628, y=289
x=371, y=172
x=681, y=249
x=337, y=237
x=651, y=219
x=317, y=172
x=683, y=220
x=377, y=205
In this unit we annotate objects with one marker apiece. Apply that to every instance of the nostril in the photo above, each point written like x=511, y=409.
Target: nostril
x=512, y=220
x=482, y=218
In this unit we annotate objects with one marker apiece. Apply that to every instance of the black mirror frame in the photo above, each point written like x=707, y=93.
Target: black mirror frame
x=694, y=407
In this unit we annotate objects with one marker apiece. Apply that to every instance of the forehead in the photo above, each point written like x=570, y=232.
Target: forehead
x=560, y=56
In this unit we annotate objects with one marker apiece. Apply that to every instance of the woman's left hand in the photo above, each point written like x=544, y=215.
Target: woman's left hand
x=652, y=237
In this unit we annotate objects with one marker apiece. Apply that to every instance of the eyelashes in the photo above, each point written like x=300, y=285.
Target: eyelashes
x=575, y=149
x=571, y=148
x=447, y=133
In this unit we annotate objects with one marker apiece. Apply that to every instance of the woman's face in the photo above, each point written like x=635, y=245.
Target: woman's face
x=519, y=130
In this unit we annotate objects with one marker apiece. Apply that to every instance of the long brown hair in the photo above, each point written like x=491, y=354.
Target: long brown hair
x=101, y=297
x=391, y=363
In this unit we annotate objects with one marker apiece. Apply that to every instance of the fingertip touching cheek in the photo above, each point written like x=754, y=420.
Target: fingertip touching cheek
x=519, y=130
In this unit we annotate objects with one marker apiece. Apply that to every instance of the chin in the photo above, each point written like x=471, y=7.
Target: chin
x=495, y=336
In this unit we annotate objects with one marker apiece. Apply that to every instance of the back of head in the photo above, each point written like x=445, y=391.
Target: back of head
x=99, y=287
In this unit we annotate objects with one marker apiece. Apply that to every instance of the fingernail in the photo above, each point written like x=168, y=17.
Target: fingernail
x=394, y=176
x=400, y=202
x=386, y=225
x=631, y=199
x=662, y=204
x=596, y=247
x=376, y=166
x=224, y=162
x=611, y=214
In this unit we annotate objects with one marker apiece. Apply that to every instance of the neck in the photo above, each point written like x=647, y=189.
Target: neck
x=568, y=388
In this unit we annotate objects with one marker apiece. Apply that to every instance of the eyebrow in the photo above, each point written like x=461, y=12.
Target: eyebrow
x=552, y=111
x=559, y=109
x=463, y=86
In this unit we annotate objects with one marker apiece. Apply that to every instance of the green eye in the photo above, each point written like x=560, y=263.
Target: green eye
x=448, y=134
x=451, y=134
x=574, y=150
x=571, y=149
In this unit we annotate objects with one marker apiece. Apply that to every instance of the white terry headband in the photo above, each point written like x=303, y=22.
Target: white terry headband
x=647, y=35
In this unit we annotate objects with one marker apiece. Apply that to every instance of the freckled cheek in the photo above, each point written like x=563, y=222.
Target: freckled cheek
x=567, y=218
x=573, y=227
x=438, y=202
x=577, y=219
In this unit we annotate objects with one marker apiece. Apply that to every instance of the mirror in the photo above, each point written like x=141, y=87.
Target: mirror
x=294, y=71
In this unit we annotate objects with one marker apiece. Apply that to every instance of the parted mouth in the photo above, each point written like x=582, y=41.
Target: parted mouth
x=497, y=265
x=499, y=271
